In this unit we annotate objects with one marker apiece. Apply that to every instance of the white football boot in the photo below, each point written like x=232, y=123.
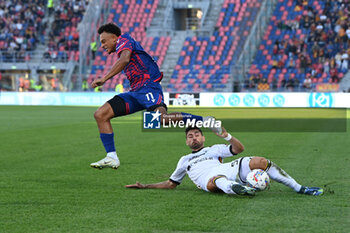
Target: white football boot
x=106, y=162
x=214, y=129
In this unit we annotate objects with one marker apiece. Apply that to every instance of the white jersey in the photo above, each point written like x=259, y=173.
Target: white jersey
x=200, y=166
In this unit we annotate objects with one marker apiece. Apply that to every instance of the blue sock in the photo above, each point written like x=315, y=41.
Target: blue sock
x=188, y=116
x=108, y=141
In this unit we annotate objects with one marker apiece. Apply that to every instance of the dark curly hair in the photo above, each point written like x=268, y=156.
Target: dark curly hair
x=110, y=28
x=192, y=128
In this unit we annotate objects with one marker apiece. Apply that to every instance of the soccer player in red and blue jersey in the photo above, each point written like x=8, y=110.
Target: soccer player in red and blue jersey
x=146, y=92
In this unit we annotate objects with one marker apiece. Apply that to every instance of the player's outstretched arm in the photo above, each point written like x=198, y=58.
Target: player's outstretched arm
x=116, y=68
x=237, y=146
x=162, y=185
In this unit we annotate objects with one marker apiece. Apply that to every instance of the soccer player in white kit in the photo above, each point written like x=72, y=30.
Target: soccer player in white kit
x=205, y=168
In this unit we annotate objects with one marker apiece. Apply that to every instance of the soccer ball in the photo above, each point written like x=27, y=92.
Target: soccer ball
x=258, y=179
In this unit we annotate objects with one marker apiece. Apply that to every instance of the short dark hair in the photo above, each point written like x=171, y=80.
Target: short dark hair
x=110, y=28
x=193, y=128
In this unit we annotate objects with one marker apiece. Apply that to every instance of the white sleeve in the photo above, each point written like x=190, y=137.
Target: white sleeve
x=223, y=151
x=180, y=172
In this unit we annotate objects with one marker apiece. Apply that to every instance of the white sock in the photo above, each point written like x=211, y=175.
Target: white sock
x=225, y=185
x=113, y=155
x=278, y=174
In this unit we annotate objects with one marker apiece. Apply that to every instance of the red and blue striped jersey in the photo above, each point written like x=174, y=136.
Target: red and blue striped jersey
x=141, y=69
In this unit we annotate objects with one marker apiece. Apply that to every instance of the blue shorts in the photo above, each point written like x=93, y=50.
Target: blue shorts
x=148, y=97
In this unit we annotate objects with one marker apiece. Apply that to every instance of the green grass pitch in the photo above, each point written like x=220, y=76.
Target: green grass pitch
x=47, y=185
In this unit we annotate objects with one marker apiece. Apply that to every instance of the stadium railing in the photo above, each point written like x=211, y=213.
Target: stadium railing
x=241, y=67
x=35, y=57
x=95, y=14
x=204, y=64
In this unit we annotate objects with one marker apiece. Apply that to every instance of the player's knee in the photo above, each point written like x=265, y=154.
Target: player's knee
x=99, y=116
x=212, y=187
x=258, y=163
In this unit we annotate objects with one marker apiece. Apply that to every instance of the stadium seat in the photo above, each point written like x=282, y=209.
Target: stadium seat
x=287, y=25
x=214, y=54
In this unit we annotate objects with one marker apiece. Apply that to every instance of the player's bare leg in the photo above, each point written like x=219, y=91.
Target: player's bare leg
x=178, y=116
x=103, y=117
